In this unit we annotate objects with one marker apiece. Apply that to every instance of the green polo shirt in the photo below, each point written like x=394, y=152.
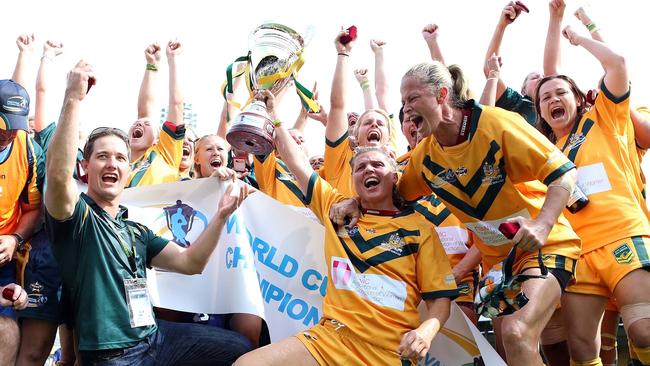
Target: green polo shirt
x=513, y=101
x=93, y=267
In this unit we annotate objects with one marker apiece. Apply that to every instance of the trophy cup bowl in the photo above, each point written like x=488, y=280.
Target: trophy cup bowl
x=274, y=49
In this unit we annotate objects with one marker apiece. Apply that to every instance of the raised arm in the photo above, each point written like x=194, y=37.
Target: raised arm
x=591, y=26
x=508, y=15
x=175, y=108
x=146, y=97
x=381, y=81
x=51, y=50
x=337, y=124
x=288, y=149
x=489, y=96
x=25, y=43
x=552, y=57
x=430, y=34
x=364, y=83
x=61, y=194
x=230, y=111
x=616, y=75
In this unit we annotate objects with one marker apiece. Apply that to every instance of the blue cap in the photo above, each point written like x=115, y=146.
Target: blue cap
x=14, y=106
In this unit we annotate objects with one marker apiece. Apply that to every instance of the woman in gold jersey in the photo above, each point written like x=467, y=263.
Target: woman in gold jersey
x=613, y=226
x=378, y=272
x=474, y=158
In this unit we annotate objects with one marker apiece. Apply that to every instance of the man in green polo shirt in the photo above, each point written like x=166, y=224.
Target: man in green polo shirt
x=102, y=255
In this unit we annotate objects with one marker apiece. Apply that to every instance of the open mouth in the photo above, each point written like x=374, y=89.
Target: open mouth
x=109, y=178
x=374, y=136
x=137, y=132
x=370, y=182
x=186, y=151
x=558, y=112
x=216, y=163
x=417, y=120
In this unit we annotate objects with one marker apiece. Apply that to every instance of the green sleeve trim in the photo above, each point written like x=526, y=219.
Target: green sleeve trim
x=611, y=96
x=559, y=172
x=337, y=142
x=451, y=294
x=310, y=188
x=179, y=134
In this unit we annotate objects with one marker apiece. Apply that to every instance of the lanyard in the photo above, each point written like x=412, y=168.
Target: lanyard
x=129, y=251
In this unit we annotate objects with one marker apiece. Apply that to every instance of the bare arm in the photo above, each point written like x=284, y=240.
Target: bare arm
x=641, y=123
x=489, y=96
x=381, y=81
x=25, y=43
x=430, y=34
x=146, y=97
x=584, y=18
x=470, y=261
x=552, y=57
x=415, y=344
x=50, y=51
x=616, y=75
x=532, y=234
x=193, y=260
x=61, y=193
x=364, y=83
x=296, y=161
x=229, y=111
x=175, y=108
x=337, y=124
x=508, y=15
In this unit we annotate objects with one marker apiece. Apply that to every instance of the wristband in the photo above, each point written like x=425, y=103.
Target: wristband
x=152, y=67
x=343, y=54
x=364, y=84
x=493, y=75
x=592, y=27
x=46, y=56
x=277, y=123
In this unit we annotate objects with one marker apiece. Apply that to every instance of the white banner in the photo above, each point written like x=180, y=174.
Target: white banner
x=269, y=262
x=265, y=246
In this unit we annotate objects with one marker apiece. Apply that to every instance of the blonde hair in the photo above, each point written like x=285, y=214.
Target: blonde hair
x=383, y=113
x=436, y=75
x=199, y=142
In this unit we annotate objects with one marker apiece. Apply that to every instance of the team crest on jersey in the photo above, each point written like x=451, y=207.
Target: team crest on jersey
x=623, y=254
x=394, y=244
x=461, y=171
x=491, y=174
x=576, y=140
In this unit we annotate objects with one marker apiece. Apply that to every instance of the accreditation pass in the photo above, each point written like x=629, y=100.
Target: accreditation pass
x=137, y=299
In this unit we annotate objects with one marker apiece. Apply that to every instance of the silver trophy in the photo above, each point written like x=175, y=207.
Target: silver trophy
x=275, y=52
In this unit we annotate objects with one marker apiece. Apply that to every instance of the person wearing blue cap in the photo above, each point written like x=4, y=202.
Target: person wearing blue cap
x=20, y=200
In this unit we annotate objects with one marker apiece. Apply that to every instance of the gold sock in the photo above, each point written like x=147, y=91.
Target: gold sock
x=595, y=362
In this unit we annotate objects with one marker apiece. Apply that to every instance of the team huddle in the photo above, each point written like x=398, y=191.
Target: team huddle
x=525, y=207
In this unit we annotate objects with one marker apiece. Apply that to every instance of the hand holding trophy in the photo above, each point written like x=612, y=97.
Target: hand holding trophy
x=274, y=58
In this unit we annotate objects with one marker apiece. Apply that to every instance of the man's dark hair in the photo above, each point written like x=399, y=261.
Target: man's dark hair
x=103, y=132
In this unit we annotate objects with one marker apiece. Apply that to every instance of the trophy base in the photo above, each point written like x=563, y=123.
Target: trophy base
x=252, y=139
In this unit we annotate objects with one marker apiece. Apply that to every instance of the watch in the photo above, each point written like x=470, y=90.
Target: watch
x=20, y=241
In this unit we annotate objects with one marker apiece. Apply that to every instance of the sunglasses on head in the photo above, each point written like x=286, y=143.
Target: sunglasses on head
x=112, y=130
